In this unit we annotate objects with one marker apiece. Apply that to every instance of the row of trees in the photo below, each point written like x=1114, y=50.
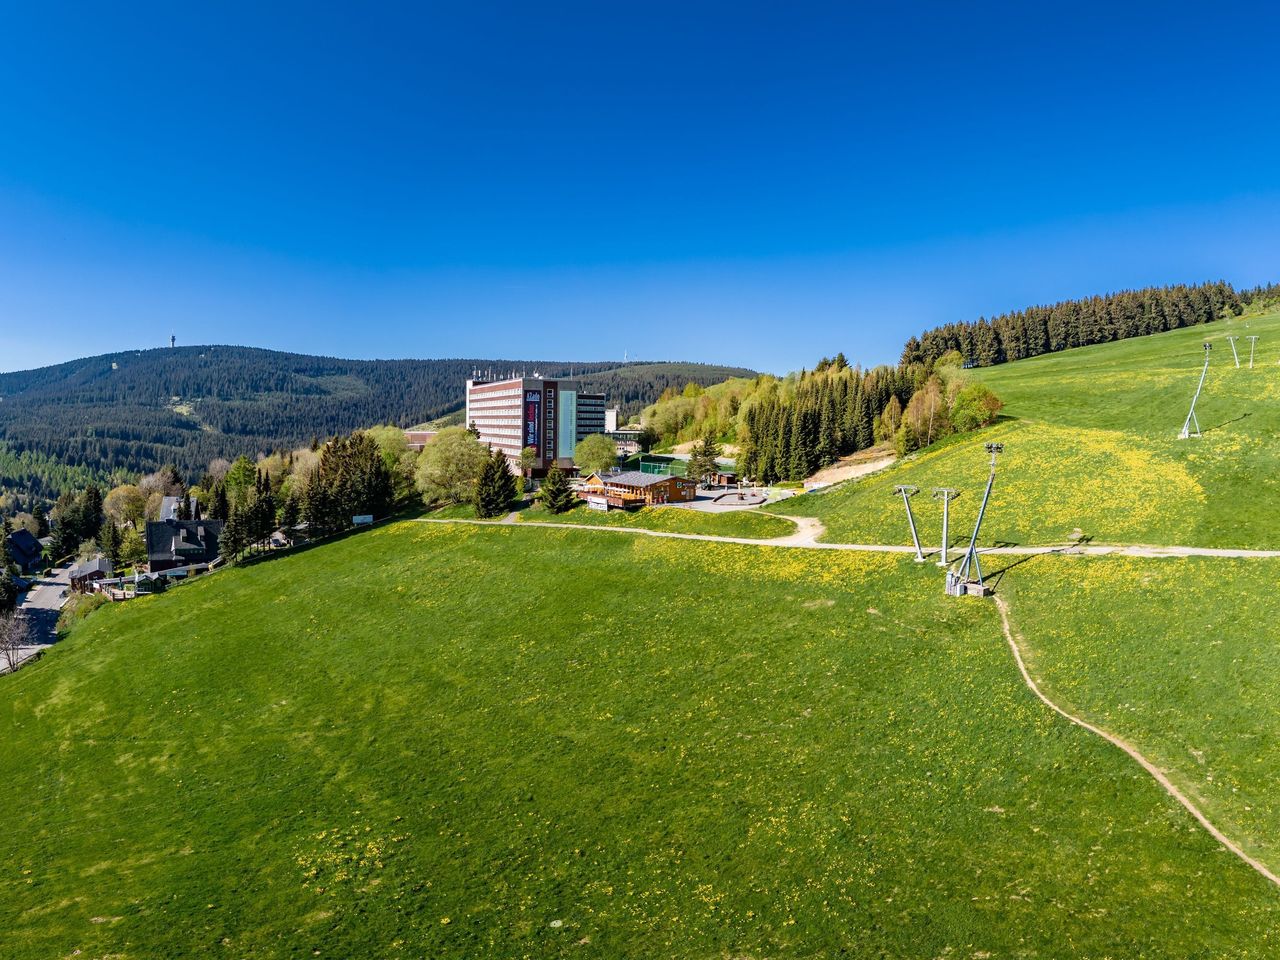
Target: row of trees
x=1077, y=323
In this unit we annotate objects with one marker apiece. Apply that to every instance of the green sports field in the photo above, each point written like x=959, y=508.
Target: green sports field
x=508, y=741
x=1091, y=450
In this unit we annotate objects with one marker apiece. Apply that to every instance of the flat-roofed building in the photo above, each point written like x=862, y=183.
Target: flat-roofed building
x=549, y=415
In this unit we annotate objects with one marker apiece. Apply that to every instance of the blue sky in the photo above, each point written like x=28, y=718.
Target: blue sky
x=758, y=184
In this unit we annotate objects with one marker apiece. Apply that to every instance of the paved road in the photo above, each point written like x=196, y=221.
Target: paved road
x=41, y=605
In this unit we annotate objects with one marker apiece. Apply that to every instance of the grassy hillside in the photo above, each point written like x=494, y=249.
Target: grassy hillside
x=1091, y=445
x=136, y=411
x=502, y=741
x=1178, y=657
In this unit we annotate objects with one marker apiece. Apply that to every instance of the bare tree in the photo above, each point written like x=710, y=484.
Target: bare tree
x=13, y=639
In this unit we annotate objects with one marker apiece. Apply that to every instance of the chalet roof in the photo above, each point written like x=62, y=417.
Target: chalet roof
x=632, y=478
x=189, y=540
x=87, y=567
x=26, y=548
x=169, y=507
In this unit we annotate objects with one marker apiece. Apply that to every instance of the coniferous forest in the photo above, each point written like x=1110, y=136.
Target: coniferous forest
x=130, y=413
x=1080, y=323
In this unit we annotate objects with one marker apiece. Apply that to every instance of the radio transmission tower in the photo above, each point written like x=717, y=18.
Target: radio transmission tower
x=1191, y=414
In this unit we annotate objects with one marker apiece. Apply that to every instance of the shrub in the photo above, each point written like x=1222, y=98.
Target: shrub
x=975, y=406
x=79, y=606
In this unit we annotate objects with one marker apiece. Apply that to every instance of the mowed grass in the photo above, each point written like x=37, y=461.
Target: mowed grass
x=1092, y=449
x=730, y=523
x=1178, y=656
x=439, y=740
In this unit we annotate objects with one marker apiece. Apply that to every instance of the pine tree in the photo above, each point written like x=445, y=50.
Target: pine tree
x=42, y=520
x=496, y=487
x=109, y=540
x=556, y=493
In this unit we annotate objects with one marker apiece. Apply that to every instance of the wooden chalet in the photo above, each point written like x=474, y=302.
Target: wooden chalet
x=632, y=489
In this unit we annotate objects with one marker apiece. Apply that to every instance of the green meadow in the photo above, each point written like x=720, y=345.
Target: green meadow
x=1178, y=656
x=510, y=741
x=1091, y=450
x=751, y=524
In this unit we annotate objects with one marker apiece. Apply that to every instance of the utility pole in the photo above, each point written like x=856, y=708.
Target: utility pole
x=946, y=495
x=1191, y=414
x=1253, y=342
x=1233, y=350
x=907, y=493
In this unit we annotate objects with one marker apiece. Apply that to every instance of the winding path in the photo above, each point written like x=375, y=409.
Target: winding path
x=1156, y=773
x=809, y=529
x=806, y=537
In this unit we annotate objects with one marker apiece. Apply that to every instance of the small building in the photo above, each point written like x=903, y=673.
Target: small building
x=723, y=478
x=88, y=571
x=26, y=550
x=632, y=489
x=171, y=506
x=417, y=439
x=181, y=543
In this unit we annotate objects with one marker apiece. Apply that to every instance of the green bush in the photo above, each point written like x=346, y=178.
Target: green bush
x=79, y=606
x=975, y=406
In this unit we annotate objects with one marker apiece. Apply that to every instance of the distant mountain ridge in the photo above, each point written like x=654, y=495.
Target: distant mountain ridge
x=137, y=410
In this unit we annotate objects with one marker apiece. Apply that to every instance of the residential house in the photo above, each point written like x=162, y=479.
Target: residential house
x=87, y=571
x=26, y=550
x=181, y=543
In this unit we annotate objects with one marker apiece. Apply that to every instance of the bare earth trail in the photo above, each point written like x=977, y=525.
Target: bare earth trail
x=1015, y=644
x=809, y=529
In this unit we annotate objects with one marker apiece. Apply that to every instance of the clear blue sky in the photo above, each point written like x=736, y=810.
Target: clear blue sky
x=759, y=184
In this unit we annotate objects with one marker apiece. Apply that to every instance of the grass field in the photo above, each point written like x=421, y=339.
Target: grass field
x=1177, y=656
x=545, y=743
x=736, y=523
x=1091, y=446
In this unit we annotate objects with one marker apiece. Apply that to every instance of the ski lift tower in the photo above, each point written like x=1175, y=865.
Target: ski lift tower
x=1233, y=350
x=962, y=582
x=1191, y=414
x=1253, y=342
x=907, y=493
x=946, y=495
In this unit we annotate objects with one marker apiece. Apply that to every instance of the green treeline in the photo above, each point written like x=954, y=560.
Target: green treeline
x=64, y=426
x=1078, y=323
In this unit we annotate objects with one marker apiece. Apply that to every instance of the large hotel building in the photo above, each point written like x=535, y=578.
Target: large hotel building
x=549, y=415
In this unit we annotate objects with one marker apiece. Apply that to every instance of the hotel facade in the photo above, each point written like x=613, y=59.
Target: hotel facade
x=549, y=415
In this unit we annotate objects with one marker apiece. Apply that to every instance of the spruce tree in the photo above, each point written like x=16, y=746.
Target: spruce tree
x=496, y=487
x=556, y=494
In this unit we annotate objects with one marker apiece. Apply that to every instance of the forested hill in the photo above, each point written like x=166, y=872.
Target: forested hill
x=1080, y=323
x=138, y=410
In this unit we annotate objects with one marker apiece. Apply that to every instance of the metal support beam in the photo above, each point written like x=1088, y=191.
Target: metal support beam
x=946, y=495
x=907, y=493
x=1191, y=415
x=1233, y=350
x=971, y=565
x=1253, y=342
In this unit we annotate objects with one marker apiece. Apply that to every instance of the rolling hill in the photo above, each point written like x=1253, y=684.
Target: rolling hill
x=1092, y=449
x=136, y=411
x=640, y=748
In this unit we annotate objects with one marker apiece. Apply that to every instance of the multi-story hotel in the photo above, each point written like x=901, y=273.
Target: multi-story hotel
x=549, y=415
